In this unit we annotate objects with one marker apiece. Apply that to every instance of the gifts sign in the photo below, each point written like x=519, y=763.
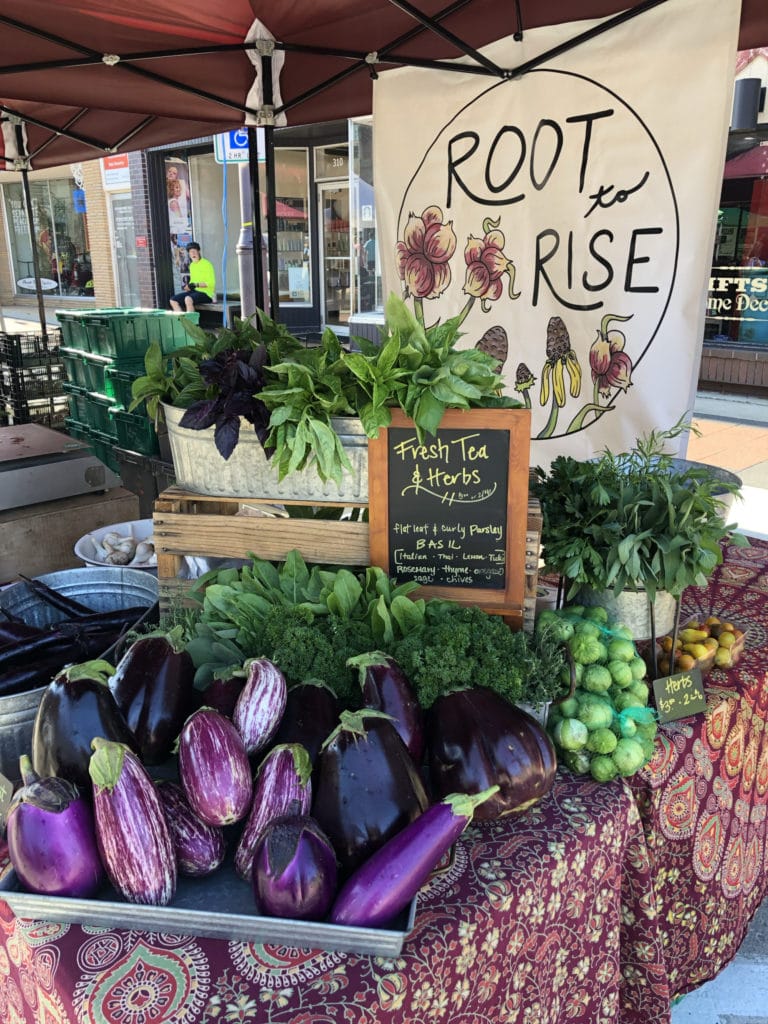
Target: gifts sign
x=554, y=214
x=449, y=511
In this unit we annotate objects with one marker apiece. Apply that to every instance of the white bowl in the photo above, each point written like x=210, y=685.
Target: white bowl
x=139, y=529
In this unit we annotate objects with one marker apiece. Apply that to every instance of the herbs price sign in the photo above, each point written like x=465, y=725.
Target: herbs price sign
x=449, y=511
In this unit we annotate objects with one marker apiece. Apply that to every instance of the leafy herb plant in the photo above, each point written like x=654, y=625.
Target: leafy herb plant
x=637, y=520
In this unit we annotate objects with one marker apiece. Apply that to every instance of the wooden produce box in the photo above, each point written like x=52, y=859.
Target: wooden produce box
x=187, y=524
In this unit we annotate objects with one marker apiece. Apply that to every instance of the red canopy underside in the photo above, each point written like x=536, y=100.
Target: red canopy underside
x=53, y=75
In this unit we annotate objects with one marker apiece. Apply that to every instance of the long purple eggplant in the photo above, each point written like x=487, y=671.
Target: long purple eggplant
x=261, y=704
x=200, y=848
x=61, y=602
x=214, y=770
x=387, y=688
x=294, y=869
x=368, y=787
x=74, y=708
x=133, y=836
x=282, y=786
x=477, y=739
x=153, y=687
x=52, y=837
x=311, y=713
x=391, y=877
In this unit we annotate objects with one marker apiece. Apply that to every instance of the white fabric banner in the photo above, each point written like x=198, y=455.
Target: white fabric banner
x=571, y=210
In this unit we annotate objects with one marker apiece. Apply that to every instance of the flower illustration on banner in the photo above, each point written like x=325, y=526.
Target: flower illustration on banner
x=524, y=381
x=561, y=359
x=486, y=267
x=611, y=368
x=423, y=254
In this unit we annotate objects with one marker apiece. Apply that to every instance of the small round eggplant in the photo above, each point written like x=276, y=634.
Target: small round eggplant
x=153, y=687
x=200, y=848
x=52, y=837
x=387, y=688
x=76, y=707
x=476, y=739
x=368, y=787
x=294, y=869
x=214, y=769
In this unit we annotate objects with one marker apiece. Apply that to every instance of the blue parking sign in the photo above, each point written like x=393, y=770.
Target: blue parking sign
x=232, y=146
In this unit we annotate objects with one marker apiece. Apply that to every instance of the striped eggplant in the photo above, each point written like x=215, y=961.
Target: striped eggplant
x=367, y=786
x=200, y=848
x=385, y=883
x=153, y=687
x=214, y=770
x=282, y=786
x=261, y=704
x=132, y=834
x=294, y=869
x=386, y=688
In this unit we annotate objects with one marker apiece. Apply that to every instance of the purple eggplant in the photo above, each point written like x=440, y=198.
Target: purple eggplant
x=68, y=605
x=367, y=788
x=387, y=688
x=153, y=687
x=221, y=693
x=311, y=713
x=133, y=836
x=76, y=706
x=391, y=877
x=14, y=630
x=282, y=786
x=261, y=704
x=52, y=837
x=200, y=848
x=294, y=869
x=214, y=770
x=477, y=739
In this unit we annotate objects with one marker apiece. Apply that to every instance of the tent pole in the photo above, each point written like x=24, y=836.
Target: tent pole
x=259, y=269
x=35, y=261
x=269, y=146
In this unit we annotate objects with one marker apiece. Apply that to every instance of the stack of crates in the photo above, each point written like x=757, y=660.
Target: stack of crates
x=103, y=353
x=32, y=379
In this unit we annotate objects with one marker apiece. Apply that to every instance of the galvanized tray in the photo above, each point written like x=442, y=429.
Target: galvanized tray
x=190, y=913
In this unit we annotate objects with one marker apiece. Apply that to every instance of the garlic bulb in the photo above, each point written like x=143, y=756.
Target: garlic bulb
x=145, y=550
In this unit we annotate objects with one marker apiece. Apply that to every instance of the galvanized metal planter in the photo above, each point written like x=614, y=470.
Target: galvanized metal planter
x=247, y=473
x=631, y=608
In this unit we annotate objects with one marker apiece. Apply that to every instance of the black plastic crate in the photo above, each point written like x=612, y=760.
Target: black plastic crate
x=144, y=476
x=26, y=383
x=48, y=412
x=22, y=349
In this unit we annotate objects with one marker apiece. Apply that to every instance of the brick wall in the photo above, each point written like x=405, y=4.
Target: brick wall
x=142, y=222
x=99, y=236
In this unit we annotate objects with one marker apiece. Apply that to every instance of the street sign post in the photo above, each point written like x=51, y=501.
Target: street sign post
x=232, y=147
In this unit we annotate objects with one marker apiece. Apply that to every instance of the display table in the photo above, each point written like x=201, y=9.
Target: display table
x=599, y=904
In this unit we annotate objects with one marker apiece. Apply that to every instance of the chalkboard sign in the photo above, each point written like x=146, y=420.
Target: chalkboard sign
x=680, y=695
x=449, y=512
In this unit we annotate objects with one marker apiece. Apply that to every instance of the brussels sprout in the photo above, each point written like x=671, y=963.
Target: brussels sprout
x=568, y=708
x=627, y=726
x=620, y=673
x=638, y=668
x=597, y=679
x=587, y=628
x=577, y=761
x=628, y=756
x=602, y=741
x=621, y=650
x=553, y=624
x=647, y=730
x=602, y=768
x=570, y=734
x=586, y=649
x=596, y=613
x=626, y=699
x=640, y=690
x=621, y=631
x=595, y=714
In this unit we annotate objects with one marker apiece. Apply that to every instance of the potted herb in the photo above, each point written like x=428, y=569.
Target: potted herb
x=638, y=522
x=312, y=407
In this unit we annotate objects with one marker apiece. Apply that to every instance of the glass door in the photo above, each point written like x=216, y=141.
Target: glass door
x=333, y=199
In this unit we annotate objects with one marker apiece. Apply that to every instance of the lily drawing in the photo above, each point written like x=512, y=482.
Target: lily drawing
x=611, y=369
x=423, y=256
x=486, y=267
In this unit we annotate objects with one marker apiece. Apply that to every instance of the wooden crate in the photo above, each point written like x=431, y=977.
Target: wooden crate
x=187, y=524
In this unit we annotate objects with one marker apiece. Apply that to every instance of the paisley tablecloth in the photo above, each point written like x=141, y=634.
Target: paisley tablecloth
x=599, y=904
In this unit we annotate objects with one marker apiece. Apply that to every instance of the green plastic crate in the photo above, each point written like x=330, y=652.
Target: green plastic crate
x=135, y=432
x=95, y=369
x=103, y=446
x=126, y=334
x=120, y=377
x=74, y=366
x=78, y=403
x=73, y=332
x=98, y=413
x=77, y=429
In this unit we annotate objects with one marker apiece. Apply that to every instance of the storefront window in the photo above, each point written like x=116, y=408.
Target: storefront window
x=293, y=225
x=737, y=303
x=368, y=292
x=60, y=237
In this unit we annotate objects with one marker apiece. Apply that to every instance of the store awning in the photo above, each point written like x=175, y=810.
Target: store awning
x=752, y=164
x=96, y=77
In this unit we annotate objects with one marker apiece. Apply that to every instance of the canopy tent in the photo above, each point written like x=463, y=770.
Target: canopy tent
x=97, y=77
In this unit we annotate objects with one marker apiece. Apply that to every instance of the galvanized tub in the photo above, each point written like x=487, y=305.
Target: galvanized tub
x=100, y=589
x=247, y=473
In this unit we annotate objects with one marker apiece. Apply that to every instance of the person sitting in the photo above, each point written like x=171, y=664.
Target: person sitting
x=202, y=283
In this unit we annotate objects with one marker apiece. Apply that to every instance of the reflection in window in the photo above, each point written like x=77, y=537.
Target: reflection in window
x=368, y=297
x=293, y=225
x=60, y=230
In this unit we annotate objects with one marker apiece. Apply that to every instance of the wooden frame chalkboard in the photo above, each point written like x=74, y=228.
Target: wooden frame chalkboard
x=450, y=514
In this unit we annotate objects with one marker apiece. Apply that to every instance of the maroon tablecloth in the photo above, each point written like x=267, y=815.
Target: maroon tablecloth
x=599, y=904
